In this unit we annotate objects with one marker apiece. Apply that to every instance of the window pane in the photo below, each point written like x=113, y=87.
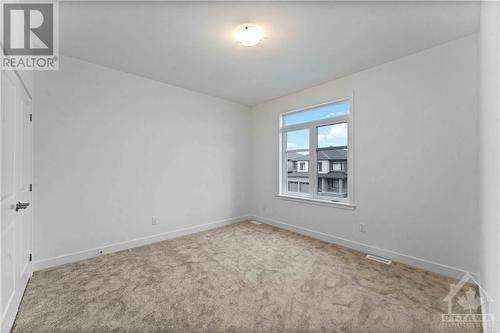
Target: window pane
x=321, y=112
x=332, y=135
x=332, y=179
x=298, y=172
x=297, y=139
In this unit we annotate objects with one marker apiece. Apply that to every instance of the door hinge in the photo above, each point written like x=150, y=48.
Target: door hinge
x=30, y=257
x=31, y=187
x=31, y=116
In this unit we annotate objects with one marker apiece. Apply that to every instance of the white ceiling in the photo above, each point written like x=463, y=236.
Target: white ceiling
x=191, y=44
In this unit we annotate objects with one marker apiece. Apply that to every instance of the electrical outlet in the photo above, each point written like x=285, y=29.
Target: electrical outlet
x=362, y=227
x=155, y=220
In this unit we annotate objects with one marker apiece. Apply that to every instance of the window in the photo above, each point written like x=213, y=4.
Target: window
x=304, y=187
x=293, y=186
x=318, y=136
x=339, y=166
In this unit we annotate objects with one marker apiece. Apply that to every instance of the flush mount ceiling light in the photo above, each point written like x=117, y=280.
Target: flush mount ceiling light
x=249, y=34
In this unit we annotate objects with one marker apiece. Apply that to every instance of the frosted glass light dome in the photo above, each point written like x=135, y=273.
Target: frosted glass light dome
x=249, y=34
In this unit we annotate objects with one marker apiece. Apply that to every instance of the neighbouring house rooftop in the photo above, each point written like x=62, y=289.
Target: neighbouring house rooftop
x=331, y=174
x=328, y=153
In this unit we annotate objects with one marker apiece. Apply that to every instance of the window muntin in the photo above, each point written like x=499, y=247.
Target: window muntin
x=327, y=134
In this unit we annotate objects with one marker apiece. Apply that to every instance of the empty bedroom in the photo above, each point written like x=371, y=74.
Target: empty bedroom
x=250, y=166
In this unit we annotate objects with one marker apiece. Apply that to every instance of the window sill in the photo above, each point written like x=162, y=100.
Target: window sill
x=319, y=202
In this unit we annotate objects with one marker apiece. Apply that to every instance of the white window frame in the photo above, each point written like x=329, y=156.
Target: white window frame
x=312, y=196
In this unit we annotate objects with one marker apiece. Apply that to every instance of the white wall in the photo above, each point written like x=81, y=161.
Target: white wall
x=112, y=150
x=490, y=155
x=416, y=160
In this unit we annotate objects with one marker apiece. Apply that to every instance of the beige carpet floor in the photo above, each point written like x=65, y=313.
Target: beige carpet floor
x=239, y=278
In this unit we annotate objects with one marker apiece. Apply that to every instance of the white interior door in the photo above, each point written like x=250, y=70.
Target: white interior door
x=16, y=195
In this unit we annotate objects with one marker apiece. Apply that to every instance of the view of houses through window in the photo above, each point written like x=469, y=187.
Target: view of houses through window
x=327, y=128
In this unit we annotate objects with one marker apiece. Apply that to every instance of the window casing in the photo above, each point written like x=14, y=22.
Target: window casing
x=332, y=179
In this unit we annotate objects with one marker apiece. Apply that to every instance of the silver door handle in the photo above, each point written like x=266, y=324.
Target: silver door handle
x=21, y=205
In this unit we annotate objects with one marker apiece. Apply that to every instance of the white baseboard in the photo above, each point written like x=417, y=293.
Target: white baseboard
x=424, y=264
x=90, y=253
x=395, y=256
